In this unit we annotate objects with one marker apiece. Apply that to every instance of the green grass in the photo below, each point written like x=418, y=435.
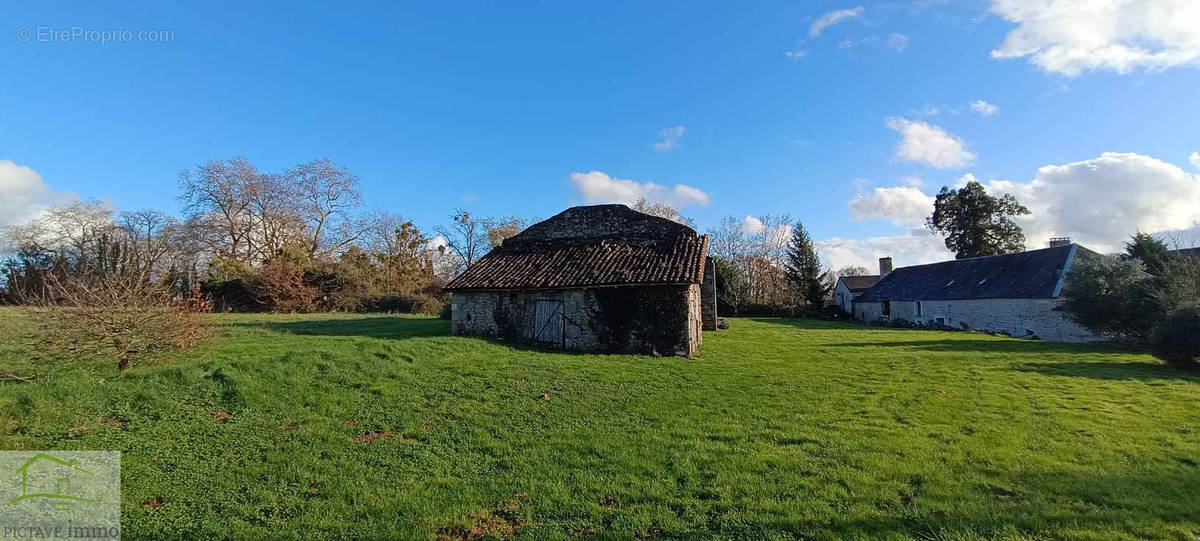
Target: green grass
x=778, y=429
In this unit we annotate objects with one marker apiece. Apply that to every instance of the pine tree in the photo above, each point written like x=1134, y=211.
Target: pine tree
x=1152, y=252
x=803, y=268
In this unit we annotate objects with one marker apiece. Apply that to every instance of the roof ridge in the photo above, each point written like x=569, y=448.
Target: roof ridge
x=978, y=257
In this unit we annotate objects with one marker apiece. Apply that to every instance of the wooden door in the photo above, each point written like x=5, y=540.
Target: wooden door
x=548, y=322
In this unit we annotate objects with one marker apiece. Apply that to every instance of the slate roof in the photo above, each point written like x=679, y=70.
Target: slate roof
x=1193, y=252
x=859, y=283
x=600, y=245
x=1036, y=274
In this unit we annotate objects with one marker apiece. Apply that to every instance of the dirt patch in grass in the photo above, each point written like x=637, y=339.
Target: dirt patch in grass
x=375, y=436
x=152, y=503
x=500, y=522
x=221, y=416
x=109, y=422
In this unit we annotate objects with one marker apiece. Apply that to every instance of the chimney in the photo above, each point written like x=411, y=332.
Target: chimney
x=1060, y=241
x=885, y=266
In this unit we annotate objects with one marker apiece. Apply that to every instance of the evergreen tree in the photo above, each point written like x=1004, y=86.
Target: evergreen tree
x=1153, y=253
x=803, y=268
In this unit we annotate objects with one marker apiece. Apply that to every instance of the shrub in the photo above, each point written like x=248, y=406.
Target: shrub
x=281, y=287
x=121, y=317
x=428, y=305
x=1177, y=339
x=405, y=304
x=1112, y=297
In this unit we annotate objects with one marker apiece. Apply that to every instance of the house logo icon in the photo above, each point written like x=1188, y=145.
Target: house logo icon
x=49, y=477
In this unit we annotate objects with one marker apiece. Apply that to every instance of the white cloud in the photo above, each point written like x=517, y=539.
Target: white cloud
x=896, y=42
x=1097, y=202
x=901, y=205
x=598, y=187
x=1068, y=37
x=833, y=17
x=796, y=54
x=916, y=248
x=1101, y=201
x=964, y=180
x=984, y=108
x=669, y=138
x=23, y=193
x=928, y=110
x=753, y=225
x=1195, y=159
x=924, y=142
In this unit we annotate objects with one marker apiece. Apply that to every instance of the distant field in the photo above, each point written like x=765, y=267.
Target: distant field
x=386, y=427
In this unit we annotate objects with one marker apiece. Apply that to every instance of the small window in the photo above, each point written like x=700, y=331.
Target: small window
x=887, y=308
x=918, y=308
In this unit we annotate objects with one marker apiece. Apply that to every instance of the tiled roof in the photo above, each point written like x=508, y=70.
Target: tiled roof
x=859, y=283
x=1035, y=274
x=578, y=248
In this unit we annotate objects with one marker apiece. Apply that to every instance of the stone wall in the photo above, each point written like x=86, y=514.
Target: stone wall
x=708, y=296
x=664, y=320
x=1016, y=317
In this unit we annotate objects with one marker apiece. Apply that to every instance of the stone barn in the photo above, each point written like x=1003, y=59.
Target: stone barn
x=1015, y=294
x=592, y=278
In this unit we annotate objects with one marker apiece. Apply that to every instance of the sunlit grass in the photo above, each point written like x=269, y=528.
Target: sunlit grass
x=384, y=427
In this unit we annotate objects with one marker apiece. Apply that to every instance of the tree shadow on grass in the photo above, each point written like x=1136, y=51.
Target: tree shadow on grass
x=1133, y=504
x=373, y=327
x=814, y=324
x=1117, y=371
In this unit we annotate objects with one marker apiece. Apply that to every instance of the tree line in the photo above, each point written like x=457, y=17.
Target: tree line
x=301, y=240
x=294, y=240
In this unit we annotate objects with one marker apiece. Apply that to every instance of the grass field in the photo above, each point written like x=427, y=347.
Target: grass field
x=386, y=427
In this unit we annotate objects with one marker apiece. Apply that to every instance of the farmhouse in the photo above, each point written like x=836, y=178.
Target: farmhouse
x=592, y=278
x=1016, y=294
x=849, y=288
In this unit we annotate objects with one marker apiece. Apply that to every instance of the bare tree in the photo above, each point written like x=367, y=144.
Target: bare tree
x=275, y=214
x=466, y=237
x=662, y=210
x=728, y=239
x=327, y=195
x=151, y=235
x=70, y=230
x=852, y=270
x=219, y=193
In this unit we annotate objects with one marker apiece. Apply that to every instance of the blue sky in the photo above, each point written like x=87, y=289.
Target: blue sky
x=494, y=107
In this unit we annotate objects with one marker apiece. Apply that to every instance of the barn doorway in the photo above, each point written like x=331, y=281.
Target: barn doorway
x=548, y=322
